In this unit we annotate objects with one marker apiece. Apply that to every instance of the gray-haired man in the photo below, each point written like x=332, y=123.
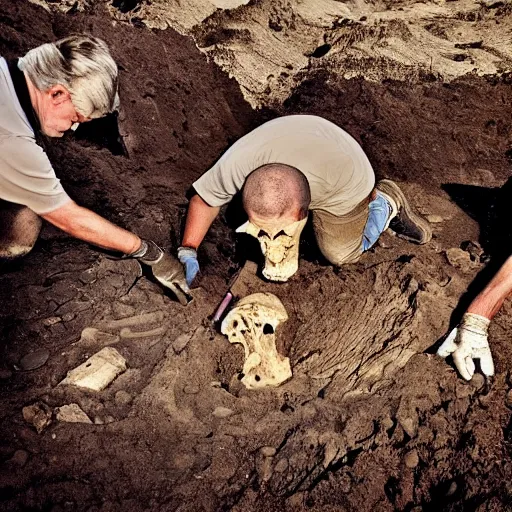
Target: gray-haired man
x=51, y=89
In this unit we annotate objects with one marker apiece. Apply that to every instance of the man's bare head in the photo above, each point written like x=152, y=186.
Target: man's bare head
x=276, y=191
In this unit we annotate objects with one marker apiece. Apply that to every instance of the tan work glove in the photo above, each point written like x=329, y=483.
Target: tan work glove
x=468, y=341
x=165, y=268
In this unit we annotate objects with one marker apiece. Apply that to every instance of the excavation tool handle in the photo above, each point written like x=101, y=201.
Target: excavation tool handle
x=226, y=301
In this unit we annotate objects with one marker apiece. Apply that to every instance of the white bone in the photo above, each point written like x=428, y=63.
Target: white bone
x=281, y=252
x=253, y=323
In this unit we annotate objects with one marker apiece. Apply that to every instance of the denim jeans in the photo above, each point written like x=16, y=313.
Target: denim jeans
x=377, y=222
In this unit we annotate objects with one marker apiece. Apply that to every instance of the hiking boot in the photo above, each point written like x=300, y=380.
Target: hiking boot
x=404, y=221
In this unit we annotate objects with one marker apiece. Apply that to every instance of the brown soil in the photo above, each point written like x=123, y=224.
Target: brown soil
x=371, y=419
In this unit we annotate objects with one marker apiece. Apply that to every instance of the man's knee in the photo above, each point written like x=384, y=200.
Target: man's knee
x=19, y=230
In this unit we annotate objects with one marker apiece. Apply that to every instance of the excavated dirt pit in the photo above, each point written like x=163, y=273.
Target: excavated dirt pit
x=371, y=419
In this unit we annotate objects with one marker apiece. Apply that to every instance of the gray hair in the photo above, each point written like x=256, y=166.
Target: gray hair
x=83, y=65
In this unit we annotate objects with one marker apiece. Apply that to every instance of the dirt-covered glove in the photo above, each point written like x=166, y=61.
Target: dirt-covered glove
x=166, y=269
x=188, y=257
x=467, y=342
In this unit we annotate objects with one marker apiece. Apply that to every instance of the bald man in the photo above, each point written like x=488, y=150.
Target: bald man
x=286, y=168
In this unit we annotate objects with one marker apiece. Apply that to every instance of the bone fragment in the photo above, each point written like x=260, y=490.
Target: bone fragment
x=98, y=371
x=39, y=415
x=71, y=413
x=253, y=323
x=146, y=318
x=126, y=332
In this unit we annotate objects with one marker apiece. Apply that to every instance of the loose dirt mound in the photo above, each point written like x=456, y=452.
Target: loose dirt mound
x=369, y=421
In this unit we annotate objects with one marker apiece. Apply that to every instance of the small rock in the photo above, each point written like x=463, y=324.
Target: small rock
x=434, y=219
x=19, y=458
x=452, y=489
x=459, y=259
x=98, y=420
x=478, y=380
x=409, y=426
x=34, y=360
x=222, y=412
x=109, y=419
x=120, y=310
x=181, y=342
x=485, y=400
x=508, y=399
x=71, y=414
x=387, y=423
x=123, y=398
x=68, y=317
x=268, y=451
x=281, y=466
x=5, y=374
x=52, y=320
x=264, y=469
x=39, y=415
x=412, y=459
x=191, y=389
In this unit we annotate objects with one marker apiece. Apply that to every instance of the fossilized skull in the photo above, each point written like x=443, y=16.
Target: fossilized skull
x=280, y=247
x=253, y=323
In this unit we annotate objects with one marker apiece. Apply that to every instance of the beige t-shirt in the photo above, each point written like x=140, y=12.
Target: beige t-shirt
x=26, y=174
x=339, y=173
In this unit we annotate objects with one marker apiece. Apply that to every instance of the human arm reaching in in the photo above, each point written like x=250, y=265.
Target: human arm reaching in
x=86, y=225
x=469, y=340
x=200, y=216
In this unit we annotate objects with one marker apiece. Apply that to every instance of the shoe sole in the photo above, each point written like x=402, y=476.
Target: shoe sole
x=392, y=189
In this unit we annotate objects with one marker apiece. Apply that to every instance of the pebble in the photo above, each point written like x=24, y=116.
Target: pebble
x=412, y=459
x=478, y=380
x=34, y=360
x=5, y=374
x=19, y=458
x=281, y=466
x=387, y=423
x=71, y=413
x=181, y=342
x=39, y=415
x=452, y=489
x=409, y=426
x=459, y=259
x=434, y=219
x=123, y=398
x=268, y=451
x=52, y=320
x=222, y=412
x=191, y=389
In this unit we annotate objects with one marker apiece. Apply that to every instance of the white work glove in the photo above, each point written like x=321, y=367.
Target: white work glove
x=466, y=342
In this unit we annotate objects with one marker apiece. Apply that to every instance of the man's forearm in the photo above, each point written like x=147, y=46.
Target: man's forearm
x=489, y=301
x=86, y=225
x=199, y=219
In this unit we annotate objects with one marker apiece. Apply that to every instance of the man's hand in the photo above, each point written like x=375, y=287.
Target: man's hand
x=467, y=342
x=188, y=257
x=166, y=269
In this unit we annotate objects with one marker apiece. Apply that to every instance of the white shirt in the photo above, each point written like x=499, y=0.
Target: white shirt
x=26, y=174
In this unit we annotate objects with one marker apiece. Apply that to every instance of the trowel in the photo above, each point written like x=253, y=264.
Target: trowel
x=238, y=287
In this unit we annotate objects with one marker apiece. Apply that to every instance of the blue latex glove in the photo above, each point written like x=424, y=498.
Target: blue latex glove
x=188, y=258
